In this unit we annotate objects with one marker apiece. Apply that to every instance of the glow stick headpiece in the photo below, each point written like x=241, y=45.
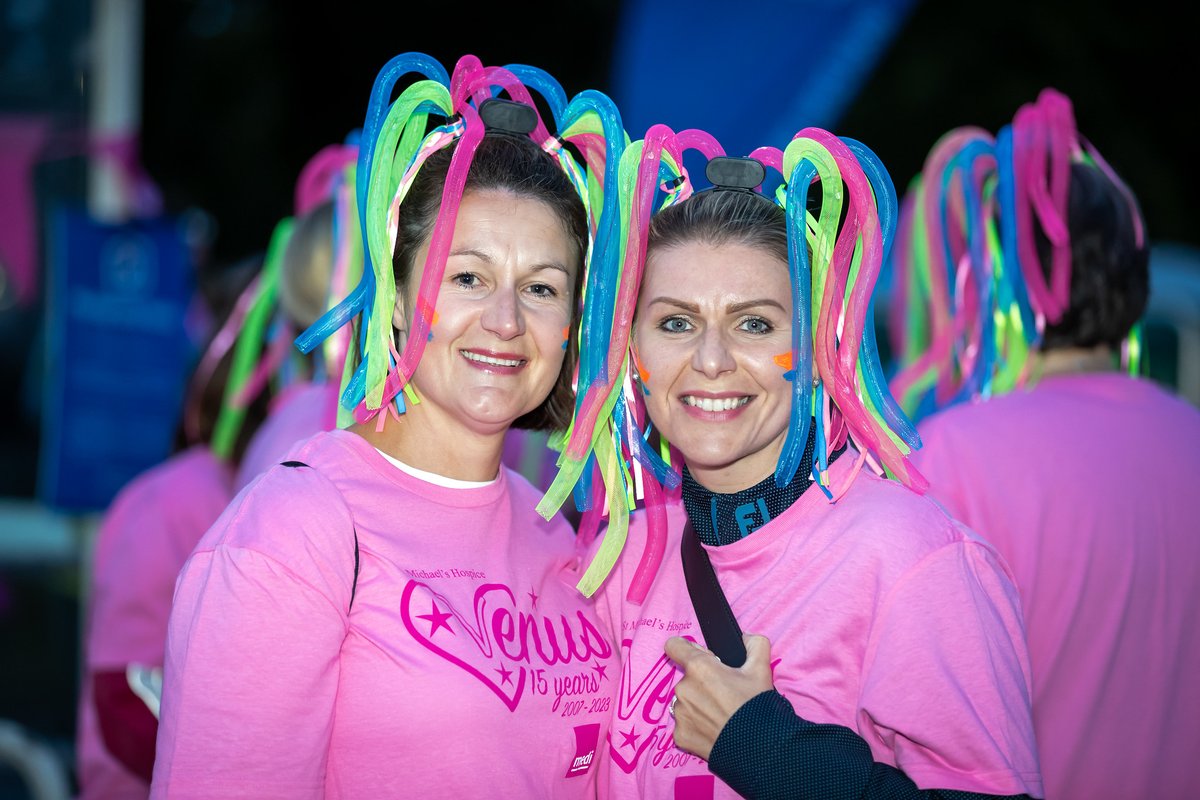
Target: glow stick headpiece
x=397, y=140
x=972, y=296
x=834, y=369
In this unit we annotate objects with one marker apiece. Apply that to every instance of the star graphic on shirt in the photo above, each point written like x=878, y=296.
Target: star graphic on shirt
x=600, y=670
x=630, y=738
x=505, y=675
x=438, y=618
x=533, y=596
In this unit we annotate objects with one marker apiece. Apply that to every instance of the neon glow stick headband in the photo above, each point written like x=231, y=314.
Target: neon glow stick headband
x=247, y=349
x=395, y=147
x=943, y=317
x=1002, y=298
x=653, y=178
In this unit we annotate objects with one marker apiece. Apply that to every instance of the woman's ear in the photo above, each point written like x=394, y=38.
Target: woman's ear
x=400, y=322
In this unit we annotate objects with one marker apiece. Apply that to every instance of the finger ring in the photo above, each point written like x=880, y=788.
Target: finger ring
x=671, y=707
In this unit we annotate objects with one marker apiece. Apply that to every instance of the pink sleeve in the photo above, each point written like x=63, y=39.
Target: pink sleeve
x=946, y=681
x=252, y=665
x=140, y=548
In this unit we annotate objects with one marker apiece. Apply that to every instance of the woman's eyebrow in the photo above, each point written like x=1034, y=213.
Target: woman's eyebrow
x=734, y=308
x=748, y=304
x=551, y=265
x=484, y=256
x=671, y=301
x=470, y=251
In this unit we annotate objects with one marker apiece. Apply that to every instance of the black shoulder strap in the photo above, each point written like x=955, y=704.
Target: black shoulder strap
x=353, y=586
x=720, y=627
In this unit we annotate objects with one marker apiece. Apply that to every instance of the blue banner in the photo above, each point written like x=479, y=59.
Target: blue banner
x=117, y=354
x=751, y=73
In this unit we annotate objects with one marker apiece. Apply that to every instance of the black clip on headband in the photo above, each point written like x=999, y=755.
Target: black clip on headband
x=737, y=174
x=507, y=116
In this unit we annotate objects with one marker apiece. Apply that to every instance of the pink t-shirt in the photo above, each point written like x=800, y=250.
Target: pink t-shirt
x=1086, y=485
x=468, y=665
x=297, y=413
x=145, y=536
x=884, y=615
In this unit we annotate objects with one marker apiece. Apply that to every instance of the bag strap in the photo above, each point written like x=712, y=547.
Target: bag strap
x=720, y=627
x=353, y=586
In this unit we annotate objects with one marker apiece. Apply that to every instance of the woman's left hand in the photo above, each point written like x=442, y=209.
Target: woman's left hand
x=711, y=692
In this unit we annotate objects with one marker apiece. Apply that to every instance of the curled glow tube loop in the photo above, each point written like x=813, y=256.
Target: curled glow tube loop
x=1040, y=135
x=388, y=127
x=347, y=273
x=395, y=128
x=800, y=178
x=272, y=364
x=318, y=176
x=597, y=390
x=937, y=228
x=975, y=166
x=1060, y=121
x=639, y=173
x=463, y=69
x=955, y=197
x=1006, y=192
x=940, y=262
x=656, y=545
x=381, y=93
x=472, y=79
x=480, y=82
x=825, y=231
x=249, y=342
x=431, y=274
x=1028, y=159
x=701, y=141
x=770, y=157
x=832, y=253
x=858, y=284
x=225, y=338
x=545, y=85
x=658, y=139
x=886, y=199
x=589, y=113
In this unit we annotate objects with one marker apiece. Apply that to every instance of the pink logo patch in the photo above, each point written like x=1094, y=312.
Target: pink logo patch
x=586, y=739
x=694, y=787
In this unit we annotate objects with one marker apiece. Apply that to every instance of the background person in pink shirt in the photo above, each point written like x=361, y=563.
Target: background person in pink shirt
x=890, y=659
x=1082, y=475
x=144, y=537
x=386, y=614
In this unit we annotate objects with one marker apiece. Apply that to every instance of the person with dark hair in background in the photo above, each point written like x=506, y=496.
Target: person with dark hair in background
x=384, y=613
x=1079, y=473
x=143, y=539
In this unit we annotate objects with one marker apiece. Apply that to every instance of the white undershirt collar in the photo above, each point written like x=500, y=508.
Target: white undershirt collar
x=434, y=478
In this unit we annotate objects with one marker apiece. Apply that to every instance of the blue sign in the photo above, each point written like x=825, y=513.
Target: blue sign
x=751, y=73
x=117, y=354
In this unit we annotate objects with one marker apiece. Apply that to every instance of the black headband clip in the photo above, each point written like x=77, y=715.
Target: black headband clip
x=738, y=174
x=507, y=116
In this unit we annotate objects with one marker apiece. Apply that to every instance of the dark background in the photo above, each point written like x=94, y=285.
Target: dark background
x=237, y=100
